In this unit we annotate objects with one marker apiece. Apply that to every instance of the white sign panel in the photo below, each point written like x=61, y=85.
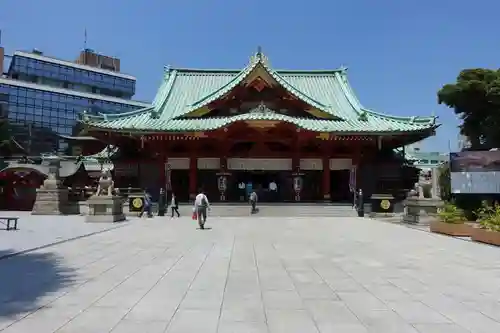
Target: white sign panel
x=179, y=163
x=340, y=163
x=209, y=163
x=475, y=182
x=259, y=163
x=311, y=164
x=475, y=172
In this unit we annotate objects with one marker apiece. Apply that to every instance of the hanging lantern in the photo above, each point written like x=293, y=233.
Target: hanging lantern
x=168, y=176
x=222, y=183
x=297, y=183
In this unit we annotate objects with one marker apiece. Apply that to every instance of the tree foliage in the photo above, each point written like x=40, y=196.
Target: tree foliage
x=444, y=181
x=475, y=98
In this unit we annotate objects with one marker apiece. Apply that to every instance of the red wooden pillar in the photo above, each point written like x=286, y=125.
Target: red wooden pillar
x=356, y=160
x=326, y=179
x=296, y=155
x=224, y=151
x=296, y=168
x=193, y=182
x=162, y=164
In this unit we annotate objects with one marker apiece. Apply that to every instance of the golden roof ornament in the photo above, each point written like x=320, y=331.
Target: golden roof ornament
x=262, y=109
x=259, y=57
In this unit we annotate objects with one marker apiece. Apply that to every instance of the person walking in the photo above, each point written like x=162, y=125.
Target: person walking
x=201, y=205
x=146, y=207
x=174, y=206
x=253, y=201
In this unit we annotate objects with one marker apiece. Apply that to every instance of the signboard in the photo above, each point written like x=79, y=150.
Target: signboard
x=136, y=203
x=475, y=172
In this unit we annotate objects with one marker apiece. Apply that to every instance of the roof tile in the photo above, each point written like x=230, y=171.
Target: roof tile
x=184, y=90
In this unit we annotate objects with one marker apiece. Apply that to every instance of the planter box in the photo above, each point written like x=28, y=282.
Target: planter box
x=451, y=229
x=486, y=236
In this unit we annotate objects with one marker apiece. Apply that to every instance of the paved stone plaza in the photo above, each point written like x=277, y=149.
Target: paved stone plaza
x=41, y=230
x=250, y=275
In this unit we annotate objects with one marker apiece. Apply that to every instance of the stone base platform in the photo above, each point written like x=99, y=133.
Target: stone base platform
x=54, y=202
x=421, y=211
x=105, y=209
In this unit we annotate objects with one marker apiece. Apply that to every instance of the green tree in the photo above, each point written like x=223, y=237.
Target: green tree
x=475, y=98
x=444, y=181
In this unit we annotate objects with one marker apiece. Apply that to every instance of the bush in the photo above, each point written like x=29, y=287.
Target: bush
x=489, y=216
x=451, y=214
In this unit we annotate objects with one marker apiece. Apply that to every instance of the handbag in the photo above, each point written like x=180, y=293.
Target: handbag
x=195, y=215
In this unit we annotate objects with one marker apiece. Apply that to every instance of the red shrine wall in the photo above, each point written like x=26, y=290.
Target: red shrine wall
x=186, y=175
x=326, y=164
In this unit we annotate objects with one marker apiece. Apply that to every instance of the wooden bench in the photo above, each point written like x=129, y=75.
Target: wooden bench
x=8, y=222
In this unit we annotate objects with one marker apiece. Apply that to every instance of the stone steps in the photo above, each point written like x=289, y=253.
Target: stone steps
x=278, y=210
x=265, y=210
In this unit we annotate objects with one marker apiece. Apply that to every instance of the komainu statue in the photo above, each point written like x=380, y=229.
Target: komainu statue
x=106, y=184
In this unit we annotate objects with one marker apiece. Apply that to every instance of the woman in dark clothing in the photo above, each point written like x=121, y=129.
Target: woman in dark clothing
x=174, y=206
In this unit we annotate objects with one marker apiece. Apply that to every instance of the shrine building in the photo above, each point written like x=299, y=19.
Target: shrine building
x=293, y=135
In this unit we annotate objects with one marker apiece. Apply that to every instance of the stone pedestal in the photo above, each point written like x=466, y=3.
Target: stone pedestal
x=105, y=209
x=52, y=198
x=421, y=211
x=54, y=202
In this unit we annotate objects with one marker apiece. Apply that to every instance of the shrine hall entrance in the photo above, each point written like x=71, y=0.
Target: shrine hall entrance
x=339, y=186
x=270, y=186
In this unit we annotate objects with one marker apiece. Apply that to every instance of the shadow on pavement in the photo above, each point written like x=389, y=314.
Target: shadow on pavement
x=24, y=278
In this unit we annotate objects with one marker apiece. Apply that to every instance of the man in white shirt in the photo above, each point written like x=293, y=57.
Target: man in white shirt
x=253, y=201
x=201, y=205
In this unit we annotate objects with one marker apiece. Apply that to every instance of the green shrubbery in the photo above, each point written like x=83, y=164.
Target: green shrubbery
x=489, y=216
x=451, y=214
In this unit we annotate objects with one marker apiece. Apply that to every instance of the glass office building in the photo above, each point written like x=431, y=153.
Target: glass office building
x=42, y=98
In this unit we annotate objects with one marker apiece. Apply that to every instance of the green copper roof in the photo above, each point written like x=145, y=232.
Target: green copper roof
x=185, y=90
x=257, y=60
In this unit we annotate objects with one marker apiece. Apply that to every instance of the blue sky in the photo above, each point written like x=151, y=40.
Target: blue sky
x=399, y=53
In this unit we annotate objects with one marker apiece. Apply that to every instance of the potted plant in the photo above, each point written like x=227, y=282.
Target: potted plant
x=451, y=221
x=489, y=221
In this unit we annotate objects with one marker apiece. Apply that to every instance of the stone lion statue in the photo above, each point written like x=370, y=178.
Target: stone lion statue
x=106, y=184
x=417, y=191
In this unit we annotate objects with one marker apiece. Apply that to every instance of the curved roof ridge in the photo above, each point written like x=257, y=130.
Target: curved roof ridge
x=266, y=114
x=295, y=91
x=419, y=119
x=165, y=89
x=126, y=114
x=243, y=74
x=238, y=70
x=225, y=88
x=103, y=118
x=348, y=91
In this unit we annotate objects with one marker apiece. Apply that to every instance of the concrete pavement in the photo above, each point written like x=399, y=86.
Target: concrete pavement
x=254, y=275
x=40, y=230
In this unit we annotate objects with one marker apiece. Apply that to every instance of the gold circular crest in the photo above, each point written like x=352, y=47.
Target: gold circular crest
x=385, y=204
x=137, y=203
